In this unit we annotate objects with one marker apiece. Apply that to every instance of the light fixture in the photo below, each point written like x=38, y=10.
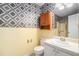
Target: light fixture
x=57, y=5
x=60, y=6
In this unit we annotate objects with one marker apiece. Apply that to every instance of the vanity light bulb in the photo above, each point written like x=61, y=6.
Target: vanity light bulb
x=61, y=8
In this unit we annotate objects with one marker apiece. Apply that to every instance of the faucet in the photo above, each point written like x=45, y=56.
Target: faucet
x=62, y=39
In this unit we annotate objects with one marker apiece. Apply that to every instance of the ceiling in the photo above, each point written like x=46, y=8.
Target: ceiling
x=66, y=11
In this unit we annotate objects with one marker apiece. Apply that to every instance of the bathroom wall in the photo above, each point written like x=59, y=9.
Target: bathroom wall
x=19, y=24
x=54, y=31
x=18, y=41
x=18, y=28
x=48, y=6
x=78, y=7
x=19, y=15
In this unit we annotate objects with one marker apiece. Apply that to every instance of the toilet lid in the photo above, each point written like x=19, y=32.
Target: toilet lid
x=39, y=48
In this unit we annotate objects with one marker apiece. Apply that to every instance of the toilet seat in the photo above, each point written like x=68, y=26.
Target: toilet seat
x=39, y=49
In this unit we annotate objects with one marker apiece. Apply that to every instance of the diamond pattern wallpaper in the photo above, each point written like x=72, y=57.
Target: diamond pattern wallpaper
x=19, y=15
x=47, y=7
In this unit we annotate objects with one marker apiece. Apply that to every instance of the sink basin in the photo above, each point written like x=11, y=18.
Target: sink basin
x=59, y=42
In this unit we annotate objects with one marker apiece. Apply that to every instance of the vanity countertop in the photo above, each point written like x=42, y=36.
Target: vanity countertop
x=69, y=47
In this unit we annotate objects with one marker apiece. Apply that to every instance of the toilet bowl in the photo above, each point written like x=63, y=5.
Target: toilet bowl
x=39, y=50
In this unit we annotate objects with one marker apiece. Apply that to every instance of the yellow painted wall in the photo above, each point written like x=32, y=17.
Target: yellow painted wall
x=13, y=41
x=48, y=33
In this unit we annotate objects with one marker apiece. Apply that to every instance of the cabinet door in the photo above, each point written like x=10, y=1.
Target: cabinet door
x=60, y=53
x=42, y=19
x=73, y=22
x=48, y=17
x=49, y=51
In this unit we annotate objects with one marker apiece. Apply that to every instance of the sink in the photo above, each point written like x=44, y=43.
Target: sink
x=60, y=42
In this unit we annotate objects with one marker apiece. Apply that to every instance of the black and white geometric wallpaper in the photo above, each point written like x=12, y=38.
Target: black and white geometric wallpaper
x=47, y=7
x=19, y=15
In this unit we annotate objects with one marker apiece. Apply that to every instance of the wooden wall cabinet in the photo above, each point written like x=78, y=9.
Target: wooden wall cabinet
x=46, y=20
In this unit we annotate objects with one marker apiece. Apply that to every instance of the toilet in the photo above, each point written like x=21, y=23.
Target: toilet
x=39, y=50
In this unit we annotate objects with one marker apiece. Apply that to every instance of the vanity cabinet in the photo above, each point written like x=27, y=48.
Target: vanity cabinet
x=73, y=26
x=49, y=51
x=60, y=53
x=56, y=47
x=53, y=51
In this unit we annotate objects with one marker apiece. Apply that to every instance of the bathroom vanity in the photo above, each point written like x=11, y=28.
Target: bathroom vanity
x=55, y=47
